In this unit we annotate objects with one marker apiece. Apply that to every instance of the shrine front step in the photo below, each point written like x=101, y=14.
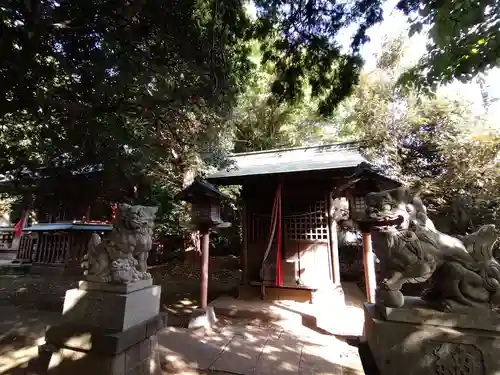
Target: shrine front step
x=333, y=294
x=332, y=311
x=264, y=311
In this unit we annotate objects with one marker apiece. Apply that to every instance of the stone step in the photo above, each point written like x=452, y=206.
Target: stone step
x=265, y=311
x=7, y=255
x=337, y=312
x=8, y=268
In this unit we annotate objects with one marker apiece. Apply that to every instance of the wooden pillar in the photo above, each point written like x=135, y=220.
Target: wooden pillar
x=87, y=214
x=335, y=253
x=334, y=242
x=244, y=235
x=205, y=240
x=369, y=266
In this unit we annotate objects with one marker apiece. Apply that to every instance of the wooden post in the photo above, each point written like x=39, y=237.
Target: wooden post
x=334, y=242
x=244, y=255
x=335, y=253
x=369, y=265
x=205, y=239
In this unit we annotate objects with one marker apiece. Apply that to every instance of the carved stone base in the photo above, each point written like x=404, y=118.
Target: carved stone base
x=105, y=333
x=417, y=311
x=417, y=348
x=111, y=311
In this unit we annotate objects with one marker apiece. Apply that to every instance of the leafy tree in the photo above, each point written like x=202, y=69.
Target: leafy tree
x=132, y=87
x=260, y=122
x=299, y=38
x=430, y=142
x=464, y=39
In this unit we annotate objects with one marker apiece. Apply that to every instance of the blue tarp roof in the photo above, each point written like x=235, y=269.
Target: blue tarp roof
x=67, y=226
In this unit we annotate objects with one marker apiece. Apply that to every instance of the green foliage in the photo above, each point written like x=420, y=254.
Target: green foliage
x=137, y=89
x=260, y=122
x=435, y=143
x=143, y=90
x=128, y=86
x=299, y=38
x=9, y=205
x=464, y=39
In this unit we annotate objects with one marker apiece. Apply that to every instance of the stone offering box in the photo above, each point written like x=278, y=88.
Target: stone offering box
x=417, y=340
x=107, y=329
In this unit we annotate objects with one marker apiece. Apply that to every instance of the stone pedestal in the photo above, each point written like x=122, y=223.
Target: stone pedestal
x=106, y=330
x=416, y=340
x=111, y=310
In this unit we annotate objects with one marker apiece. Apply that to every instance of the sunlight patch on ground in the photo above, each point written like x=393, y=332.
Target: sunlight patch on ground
x=17, y=358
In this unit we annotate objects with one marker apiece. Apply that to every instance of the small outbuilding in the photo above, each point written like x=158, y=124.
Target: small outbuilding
x=57, y=247
x=293, y=202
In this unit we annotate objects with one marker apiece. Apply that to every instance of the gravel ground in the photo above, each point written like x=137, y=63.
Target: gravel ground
x=180, y=286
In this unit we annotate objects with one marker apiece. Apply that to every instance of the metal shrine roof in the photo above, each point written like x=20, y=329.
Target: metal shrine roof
x=47, y=227
x=329, y=157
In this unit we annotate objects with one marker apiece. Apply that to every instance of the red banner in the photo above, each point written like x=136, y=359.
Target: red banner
x=18, y=229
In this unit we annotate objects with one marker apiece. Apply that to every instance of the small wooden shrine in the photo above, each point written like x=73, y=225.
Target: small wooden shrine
x=57, y=246
x=294, y=200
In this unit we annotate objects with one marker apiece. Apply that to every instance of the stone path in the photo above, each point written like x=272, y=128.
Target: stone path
x=233, y=346
x=256, y=349
x=21, y=331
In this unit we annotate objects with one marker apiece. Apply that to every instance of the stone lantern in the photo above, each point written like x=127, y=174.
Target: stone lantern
x=206, y=207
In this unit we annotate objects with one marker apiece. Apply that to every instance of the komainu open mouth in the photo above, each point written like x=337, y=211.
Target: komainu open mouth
x=384, y=224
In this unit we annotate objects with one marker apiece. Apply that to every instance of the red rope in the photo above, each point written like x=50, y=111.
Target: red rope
x=279, y=270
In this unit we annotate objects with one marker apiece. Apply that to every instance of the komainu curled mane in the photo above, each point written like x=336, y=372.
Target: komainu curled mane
x=462, y=272
x=121, y=257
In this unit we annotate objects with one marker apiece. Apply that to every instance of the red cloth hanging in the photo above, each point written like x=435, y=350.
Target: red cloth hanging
x=18, y=229
x=279, y=268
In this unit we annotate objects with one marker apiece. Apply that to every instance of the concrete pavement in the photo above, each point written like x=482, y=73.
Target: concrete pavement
x=234, y=345
x=253, y=349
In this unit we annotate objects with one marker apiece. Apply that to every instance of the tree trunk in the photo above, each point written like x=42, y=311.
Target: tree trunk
x=192, y=249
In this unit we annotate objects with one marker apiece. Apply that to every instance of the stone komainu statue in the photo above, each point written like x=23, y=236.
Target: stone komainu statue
x=121, y=257
x=462, y=273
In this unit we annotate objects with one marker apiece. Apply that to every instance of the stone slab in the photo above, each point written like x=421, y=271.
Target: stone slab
x=99, y=341
x=281, y=355
x=417, y=311
x=241, y=355
x=139, y=359
x=182, y=348
x=111, y=311
x=114, y=288
x=421, y=349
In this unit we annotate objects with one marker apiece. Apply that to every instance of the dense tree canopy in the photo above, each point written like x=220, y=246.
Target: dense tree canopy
x=300, y=39
x=140, y=85
x=141, y=90
x=464, y=39
x=125, y=85
x=261, y=122
x=438, y=144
